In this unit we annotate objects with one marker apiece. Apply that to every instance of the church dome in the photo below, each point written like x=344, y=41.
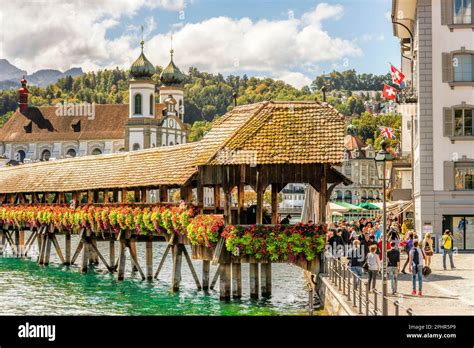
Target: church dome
x=142, y=68
x=171, y=75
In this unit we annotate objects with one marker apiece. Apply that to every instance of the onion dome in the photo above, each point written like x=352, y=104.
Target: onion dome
x=142, y=68
x=171, y=75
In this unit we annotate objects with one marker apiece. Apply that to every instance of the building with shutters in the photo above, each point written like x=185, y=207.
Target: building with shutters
x=152, y=118
x=437, y=57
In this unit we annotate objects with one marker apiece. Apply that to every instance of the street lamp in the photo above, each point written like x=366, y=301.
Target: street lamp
x=383, y=162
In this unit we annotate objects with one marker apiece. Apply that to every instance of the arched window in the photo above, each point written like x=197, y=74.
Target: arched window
x=20, y=156
x=138, y=104
x=370, y=195
x=339, y=195
x=45, y=155
x=171, y=143
x=71, y=153
x=348, y=196
x=152, y=105
x=97, y=151
x=136, y=147
x=181, y=109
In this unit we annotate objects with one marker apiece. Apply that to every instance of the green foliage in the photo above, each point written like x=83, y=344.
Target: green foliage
x=207, y=96
x=349, y=80
x=198, y=129
x=367, y=127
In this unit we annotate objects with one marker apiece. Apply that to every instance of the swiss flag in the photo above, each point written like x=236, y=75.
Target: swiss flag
x=397, y=75
x=389, y=92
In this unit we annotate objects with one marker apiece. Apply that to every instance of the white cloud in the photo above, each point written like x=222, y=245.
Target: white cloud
x=296, y=79
x=226, y=45
x=388, y=16
x=62, y=34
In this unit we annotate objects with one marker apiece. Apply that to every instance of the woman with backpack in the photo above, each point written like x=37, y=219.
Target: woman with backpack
x=448, y=248
x=415, y=260
x=427, y=246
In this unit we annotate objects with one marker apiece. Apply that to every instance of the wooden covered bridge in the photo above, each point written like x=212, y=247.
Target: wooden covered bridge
x=261, y=145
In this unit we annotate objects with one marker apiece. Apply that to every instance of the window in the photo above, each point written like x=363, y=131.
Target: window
x=463, y=122
x=45, y=155
x=458, y=122
x=136, y=147
x=348, y=196
x=464, y=176
x=462, y=11
x=71, y=153
x=138, y=104
x=462, y=66
x=97, y=151
x=20, y=156
x=339, y=195
x=152, y=105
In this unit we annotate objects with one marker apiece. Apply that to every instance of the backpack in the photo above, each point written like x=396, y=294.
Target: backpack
x=416, y=257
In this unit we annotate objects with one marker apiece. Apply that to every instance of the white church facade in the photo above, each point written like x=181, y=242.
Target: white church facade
x=154, y=117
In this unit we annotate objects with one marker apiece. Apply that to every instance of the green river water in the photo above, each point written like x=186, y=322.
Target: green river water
x=27, y=288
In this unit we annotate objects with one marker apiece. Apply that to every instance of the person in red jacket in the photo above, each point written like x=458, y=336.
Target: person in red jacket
x=379, y=244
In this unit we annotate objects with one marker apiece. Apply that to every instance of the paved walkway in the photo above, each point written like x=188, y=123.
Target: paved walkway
x=448, y=292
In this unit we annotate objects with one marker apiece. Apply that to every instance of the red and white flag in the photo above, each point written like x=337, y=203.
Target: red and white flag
x=387, y=133
x=389, y=92
x=397, y=75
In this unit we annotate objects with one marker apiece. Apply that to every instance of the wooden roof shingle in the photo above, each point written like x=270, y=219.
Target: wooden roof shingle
x=167, y=165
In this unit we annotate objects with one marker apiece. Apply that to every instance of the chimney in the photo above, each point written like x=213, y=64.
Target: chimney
x=23, y=96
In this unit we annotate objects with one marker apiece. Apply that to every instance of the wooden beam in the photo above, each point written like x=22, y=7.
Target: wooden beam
x=162, y=261
x=47, y=254
x=266, y=279
x=225, y=282
x=122, y=259
x=200, y=198
x=275, y=192
x=2, y=240
x=149, y=258
x=134, y=259
x=216, y=277
x=164, y=194
x=191, y=267
x=52, y=236
x=206, y=267
x=67, y=246
x=217, y=197
x=323, y=194
x=133, y=249
x=102, y=258
x=177, y=261
x=112, y=252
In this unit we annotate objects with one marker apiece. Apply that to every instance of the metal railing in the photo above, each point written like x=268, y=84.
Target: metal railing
x=368, y=302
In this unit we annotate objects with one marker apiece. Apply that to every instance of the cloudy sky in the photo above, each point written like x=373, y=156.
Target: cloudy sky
x=292, y=40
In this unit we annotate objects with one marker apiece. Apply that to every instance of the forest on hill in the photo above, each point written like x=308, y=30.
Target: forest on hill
x=207, y=96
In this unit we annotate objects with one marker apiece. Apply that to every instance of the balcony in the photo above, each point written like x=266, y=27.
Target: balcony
x=407, y=95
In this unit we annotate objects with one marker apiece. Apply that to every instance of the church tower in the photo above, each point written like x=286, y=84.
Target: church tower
x=173, y=131
x=141, y=130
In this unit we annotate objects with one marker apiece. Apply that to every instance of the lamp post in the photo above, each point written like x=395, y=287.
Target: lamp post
x=383, y=162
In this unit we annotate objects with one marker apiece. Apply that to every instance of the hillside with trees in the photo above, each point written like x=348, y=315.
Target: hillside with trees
x=207, y=96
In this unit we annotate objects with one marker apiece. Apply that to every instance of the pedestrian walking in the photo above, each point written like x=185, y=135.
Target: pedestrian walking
x=416, y=258
x=408, y=247
x=356, y=260
x=373, y=264
x=427, y=246
x=393, y=256
x=448, y=248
